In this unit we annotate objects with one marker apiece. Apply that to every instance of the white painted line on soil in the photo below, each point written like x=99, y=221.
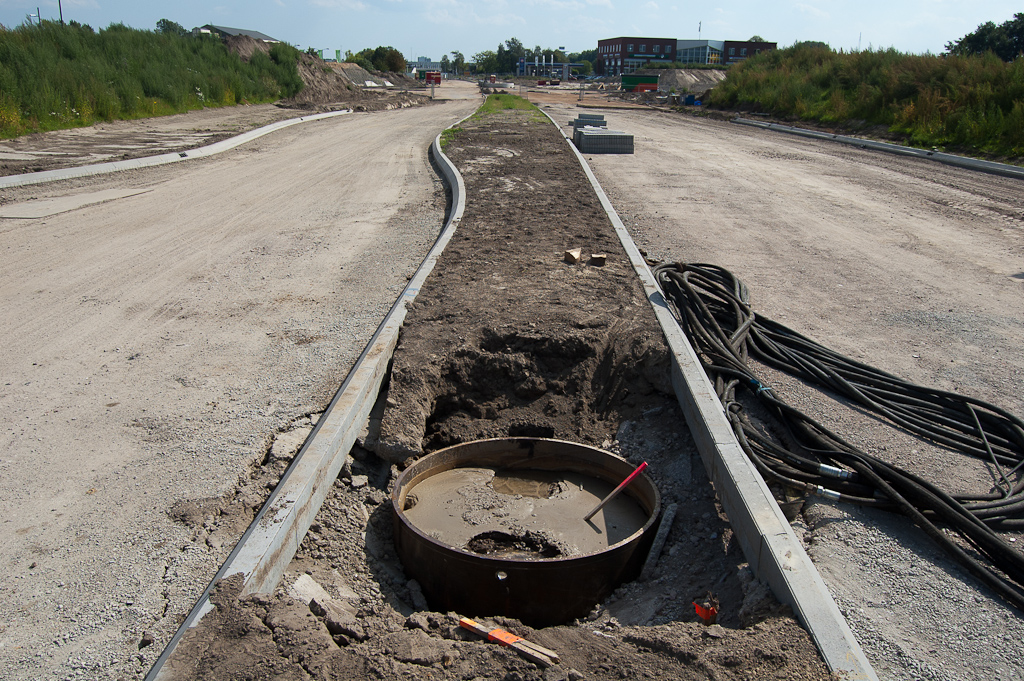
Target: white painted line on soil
x=269, y=544
x=769, y=544
x=44, y=209
x=161, y=159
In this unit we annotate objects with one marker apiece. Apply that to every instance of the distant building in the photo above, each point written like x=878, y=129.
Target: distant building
x=224, y=32
x=422, y=64
x=700, y=51
x=737, y=51
x=616, y=56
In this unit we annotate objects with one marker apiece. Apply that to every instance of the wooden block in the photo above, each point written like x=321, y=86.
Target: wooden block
x=598, y=259
x=574, y=256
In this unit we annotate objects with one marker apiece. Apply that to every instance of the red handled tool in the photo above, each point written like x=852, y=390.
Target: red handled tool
x=615, y=492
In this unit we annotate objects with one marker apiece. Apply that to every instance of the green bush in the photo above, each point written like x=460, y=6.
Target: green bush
x=54, y=76
x=969, y=102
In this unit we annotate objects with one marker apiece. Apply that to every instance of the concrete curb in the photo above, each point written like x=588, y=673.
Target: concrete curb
x=161, y=159
x=989, y=167
x=270, y=542
x=768, y=542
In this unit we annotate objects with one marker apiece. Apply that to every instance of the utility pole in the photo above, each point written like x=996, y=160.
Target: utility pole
x=61, y=10
x=699, y=24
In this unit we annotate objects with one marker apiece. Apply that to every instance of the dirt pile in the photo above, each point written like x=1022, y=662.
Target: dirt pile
x=332, y=86
x=245, y=47
x=697, y=81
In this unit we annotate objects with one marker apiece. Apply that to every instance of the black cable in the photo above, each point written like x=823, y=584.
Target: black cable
x=712, y=306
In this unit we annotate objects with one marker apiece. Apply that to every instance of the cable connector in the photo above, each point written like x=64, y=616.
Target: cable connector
x=833, y=472
x=761, y=387
x=828, y=494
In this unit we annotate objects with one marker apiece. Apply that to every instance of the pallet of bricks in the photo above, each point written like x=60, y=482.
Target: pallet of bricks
x=590, y=134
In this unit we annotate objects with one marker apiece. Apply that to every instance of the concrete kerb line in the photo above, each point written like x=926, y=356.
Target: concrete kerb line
x=272, y=539
x=768, y=542
x=989, y=167
x=161, y=159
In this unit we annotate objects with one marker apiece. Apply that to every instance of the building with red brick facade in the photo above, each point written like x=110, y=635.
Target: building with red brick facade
x=616, y=56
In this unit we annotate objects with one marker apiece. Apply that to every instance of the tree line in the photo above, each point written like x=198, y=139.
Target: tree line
x=1006, y=40
x=505, y=59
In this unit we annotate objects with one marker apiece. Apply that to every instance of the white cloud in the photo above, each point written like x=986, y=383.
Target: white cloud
x=653, y=6
x=811, y=10
x=468, y=17
x=339, y=4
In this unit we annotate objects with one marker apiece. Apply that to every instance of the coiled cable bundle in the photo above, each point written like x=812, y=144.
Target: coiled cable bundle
x=712, y=306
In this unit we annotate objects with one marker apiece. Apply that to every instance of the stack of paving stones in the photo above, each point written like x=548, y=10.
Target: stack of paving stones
x=591, y=136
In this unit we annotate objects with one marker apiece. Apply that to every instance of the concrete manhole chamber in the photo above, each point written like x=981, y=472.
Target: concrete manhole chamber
x=495, y=527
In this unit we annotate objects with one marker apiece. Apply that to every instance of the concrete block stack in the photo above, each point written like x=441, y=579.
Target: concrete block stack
x=592, y=120
x=600, y=141
x=590, y=134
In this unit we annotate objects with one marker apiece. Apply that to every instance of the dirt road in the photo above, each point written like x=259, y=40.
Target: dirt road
x=907, y=265
x=157, y=341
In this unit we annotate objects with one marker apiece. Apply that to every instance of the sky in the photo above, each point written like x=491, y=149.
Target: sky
x=431, y=28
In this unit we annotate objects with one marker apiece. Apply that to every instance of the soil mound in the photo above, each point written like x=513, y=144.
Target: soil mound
x=354, y=73
x=333, y=86
x=244, y=46
x=696, y=81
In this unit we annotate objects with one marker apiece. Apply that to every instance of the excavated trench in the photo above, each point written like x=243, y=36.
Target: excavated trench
x=507, y=340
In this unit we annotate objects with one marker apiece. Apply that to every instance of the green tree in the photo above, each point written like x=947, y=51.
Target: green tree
x=514, y=51
x=395, y=61
x=458, y=61
x=381, y=58
x=168, y=27
x=756, y=39
x=486, y=62
x=446, y=65
x=586, y=55
x=1005, y=40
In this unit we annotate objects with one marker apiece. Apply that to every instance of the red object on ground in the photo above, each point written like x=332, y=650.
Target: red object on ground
x=706, y=614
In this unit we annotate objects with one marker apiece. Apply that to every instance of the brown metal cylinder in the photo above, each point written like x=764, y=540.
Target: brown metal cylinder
x=539, y=592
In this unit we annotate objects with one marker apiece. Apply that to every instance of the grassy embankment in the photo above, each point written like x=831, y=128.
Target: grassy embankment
x=965, y=104
x=54, y=76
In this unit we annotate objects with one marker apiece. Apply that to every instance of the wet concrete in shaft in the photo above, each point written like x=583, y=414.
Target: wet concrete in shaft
x=527, y=515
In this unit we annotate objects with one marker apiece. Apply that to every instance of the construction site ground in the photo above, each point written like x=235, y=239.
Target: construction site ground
x=170, y=349
x=907, y=265
x=507, y=339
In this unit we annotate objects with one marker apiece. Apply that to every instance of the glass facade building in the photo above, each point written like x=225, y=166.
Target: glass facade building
x=700, y=51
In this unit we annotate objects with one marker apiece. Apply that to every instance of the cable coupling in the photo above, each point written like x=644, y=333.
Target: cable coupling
x=828, y=494
x=834, y=472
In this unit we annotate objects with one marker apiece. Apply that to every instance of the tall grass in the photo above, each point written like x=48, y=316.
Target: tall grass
x=54, y=76
x=503, y=102
x=970, y=103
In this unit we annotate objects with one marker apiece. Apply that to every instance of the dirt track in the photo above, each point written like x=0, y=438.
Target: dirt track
x=907, y=265
x=156, y=343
